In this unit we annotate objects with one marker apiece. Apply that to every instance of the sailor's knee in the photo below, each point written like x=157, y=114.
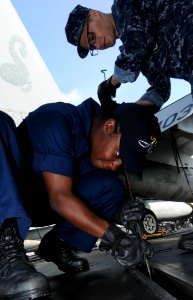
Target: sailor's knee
x=113, y=185
x=99, y=183
x=6, y=122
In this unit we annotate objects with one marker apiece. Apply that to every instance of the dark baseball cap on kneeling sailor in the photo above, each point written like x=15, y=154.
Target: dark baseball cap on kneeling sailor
x=74, y=27
x=140, y=134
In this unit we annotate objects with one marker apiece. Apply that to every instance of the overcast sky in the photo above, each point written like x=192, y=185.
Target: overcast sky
x=77, y=78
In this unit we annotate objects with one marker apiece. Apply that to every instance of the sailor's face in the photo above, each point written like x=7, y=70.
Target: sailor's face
x=105, y=151
x=104, y=36
x=98, y=33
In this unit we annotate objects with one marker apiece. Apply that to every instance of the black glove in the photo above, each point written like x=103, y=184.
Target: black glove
x=132, y=251
x=111, y=239
x=131, y=214
x=128, y=250
x=106, y=91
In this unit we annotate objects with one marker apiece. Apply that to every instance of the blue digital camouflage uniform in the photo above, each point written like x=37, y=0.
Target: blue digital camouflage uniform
x=157, y=39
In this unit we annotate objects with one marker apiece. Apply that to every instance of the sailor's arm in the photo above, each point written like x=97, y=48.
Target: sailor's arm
x=70, y=207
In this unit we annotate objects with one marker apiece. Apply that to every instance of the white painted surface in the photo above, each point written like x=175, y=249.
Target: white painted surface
x=25, y=81
x=175, y=112
x=168, y=210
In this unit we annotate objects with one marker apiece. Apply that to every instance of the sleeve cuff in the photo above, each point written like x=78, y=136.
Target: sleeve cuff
x=53, y=164
x=125, y=76
x=153, y=97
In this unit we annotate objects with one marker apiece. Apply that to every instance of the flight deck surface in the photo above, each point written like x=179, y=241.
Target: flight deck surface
x=171, y=268
x=106, y=280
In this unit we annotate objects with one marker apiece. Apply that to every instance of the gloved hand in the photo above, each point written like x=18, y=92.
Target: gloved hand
x=112, y=238
x=128, y=250
x=131, y=214
x=132, y=251
x=106, y=91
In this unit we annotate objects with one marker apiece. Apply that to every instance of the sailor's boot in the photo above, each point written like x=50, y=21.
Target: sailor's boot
x=19, y=280
x=186, y=242
x=61, y=253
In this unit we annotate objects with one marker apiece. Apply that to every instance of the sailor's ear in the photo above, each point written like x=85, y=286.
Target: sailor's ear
x=109, y=125
x=93, y=13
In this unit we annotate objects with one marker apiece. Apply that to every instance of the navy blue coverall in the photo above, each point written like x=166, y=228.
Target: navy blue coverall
x=54, y=138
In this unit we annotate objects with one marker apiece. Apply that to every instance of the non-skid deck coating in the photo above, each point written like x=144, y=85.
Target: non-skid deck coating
x=173, y=265
x=172, y=276
x=106, y=280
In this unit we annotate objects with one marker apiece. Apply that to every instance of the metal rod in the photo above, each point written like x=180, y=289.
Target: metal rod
x=103, y=71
